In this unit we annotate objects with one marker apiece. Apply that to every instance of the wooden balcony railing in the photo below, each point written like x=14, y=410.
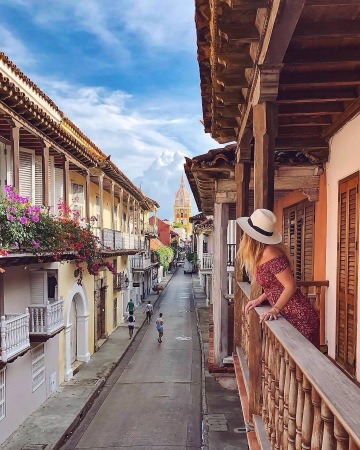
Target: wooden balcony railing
x=207, y=261
x=14, y=340
x=116, y=240
x=121, y=281
x=300, y=398
x=46, y=320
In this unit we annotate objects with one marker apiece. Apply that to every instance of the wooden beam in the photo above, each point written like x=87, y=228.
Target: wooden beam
x=335, y=29
x=241, y=32
x=233, y=98
x=310, y=109
x=67, y=187
x=226, y=123
x=331, y=3
x=318, y=95
x=241, y=5
x=235, y=60
x=230, y=81
x=308, y=143
x=228, y=112
x=265, y=129
x=301, y=131
x=318, y=57
x=304, y=121
x=286, y=21
x=319, y=79
x=87, y=196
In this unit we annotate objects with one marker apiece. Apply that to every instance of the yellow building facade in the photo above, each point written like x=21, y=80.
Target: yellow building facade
x=182, y=207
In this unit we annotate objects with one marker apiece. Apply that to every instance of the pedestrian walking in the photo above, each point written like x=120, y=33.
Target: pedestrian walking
x=131, y=324
x=160, y=327
x=149, y=311
x=130, y=307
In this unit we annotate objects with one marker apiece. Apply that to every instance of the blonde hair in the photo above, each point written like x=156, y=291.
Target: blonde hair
x=250, y=252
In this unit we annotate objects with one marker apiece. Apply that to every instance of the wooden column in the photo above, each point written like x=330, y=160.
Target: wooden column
x=101, y=200
x=112, y=205
x=265, y=131
x=67, y=187
x=121, y=213
x=15, y=148
x=87, y=197
x=242, y=177
x=45, y=173
x=220, y=304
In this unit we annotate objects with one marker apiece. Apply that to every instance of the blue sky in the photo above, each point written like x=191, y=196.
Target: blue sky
x=125, y=72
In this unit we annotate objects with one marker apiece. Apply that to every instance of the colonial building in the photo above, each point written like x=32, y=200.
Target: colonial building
x=52, y=321
x=281, y=80
x=182, y=207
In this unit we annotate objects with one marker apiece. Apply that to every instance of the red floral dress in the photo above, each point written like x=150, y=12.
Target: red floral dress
x=299, y=311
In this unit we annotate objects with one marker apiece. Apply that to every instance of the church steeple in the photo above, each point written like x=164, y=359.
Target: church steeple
x=182, y=206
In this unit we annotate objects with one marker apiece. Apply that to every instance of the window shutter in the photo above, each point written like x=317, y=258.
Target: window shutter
x=26, y=174
x=9, y=166
x=38, y=181
x=348, y=223
x=308, y=239
x=38, y=287
x=59, y=187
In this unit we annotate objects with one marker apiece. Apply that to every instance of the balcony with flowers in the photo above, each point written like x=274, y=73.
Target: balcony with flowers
x=30, y=234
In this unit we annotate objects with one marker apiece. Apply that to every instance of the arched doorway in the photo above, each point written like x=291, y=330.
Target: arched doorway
x=76, y=331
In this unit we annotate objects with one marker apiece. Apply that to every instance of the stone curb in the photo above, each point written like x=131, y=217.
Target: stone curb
x=204, y=406
x=100, y=385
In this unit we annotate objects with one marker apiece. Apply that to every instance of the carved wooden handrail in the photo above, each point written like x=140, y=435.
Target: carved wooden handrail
x=307, y=401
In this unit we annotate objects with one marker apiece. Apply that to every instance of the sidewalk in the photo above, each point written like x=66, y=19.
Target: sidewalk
x=223, y=423
x=46, y=427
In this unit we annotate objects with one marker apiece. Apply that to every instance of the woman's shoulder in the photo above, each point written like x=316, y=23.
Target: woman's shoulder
x=270, y=252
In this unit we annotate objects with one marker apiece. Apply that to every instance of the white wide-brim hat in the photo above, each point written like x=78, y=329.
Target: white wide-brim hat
x=261, y=226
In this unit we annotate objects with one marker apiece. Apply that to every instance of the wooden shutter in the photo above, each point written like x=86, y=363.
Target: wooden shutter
x=38, y=181
x=347, y=260
x=59, y=187
x=298, y=234
x=38, y=287
x=27, y=174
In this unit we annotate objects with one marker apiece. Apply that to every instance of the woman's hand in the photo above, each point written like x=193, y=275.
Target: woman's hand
x=273, y=314
x=253, y=303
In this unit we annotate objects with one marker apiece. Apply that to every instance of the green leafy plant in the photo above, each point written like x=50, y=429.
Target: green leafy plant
x=192, y=257
x=165, y=255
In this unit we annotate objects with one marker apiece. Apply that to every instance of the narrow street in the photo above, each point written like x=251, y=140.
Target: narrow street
x=152, y=400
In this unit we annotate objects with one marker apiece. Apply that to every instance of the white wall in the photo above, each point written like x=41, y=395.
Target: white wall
x=20, y=400
x=344, y=161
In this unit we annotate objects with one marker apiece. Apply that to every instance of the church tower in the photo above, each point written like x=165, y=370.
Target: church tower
x=182, y=207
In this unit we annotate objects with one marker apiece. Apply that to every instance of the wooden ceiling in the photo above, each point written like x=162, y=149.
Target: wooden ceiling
x=310, y=58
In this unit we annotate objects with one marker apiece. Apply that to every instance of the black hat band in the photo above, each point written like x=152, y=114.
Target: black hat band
x=259, y=230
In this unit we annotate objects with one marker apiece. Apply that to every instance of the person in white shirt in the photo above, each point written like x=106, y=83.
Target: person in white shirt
x=149, y=311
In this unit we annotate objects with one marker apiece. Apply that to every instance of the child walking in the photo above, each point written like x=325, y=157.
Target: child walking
x=160, y=327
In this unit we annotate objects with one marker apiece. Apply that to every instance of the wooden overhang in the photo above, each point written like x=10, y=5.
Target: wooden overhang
x=49, y=125
x=302, y=54
x=212, y=179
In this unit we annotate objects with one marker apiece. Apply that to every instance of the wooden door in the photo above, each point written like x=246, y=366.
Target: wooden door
x=102, y=312
x=347, y=268
x=115, y=313
x=73, y=336
x=97, y=309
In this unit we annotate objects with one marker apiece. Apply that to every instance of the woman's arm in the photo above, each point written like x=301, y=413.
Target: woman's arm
x=287, y=279
x=256, y=302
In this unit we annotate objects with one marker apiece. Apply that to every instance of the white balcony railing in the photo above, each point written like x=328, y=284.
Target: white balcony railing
x=14, y=329
x=207, y=261
x=46, y=319
x=140, y=262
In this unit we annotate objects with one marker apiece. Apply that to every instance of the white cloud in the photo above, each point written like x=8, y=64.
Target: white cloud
x=13, y=47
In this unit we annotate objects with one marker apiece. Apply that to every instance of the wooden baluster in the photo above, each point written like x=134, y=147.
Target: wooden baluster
x=271, y=388
x=352, y=445
x=27, y=324
x=318, y=297
x=292, y=406
x=277, y=395
x=281, y=397
x=341, y=436
x=317, y=431
x=3, y=339
x=328, y=442
x=265, y=410
x=286, y=401
x=49, y=323
x=299, y=407
x=263, y=356
x=308, y=416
